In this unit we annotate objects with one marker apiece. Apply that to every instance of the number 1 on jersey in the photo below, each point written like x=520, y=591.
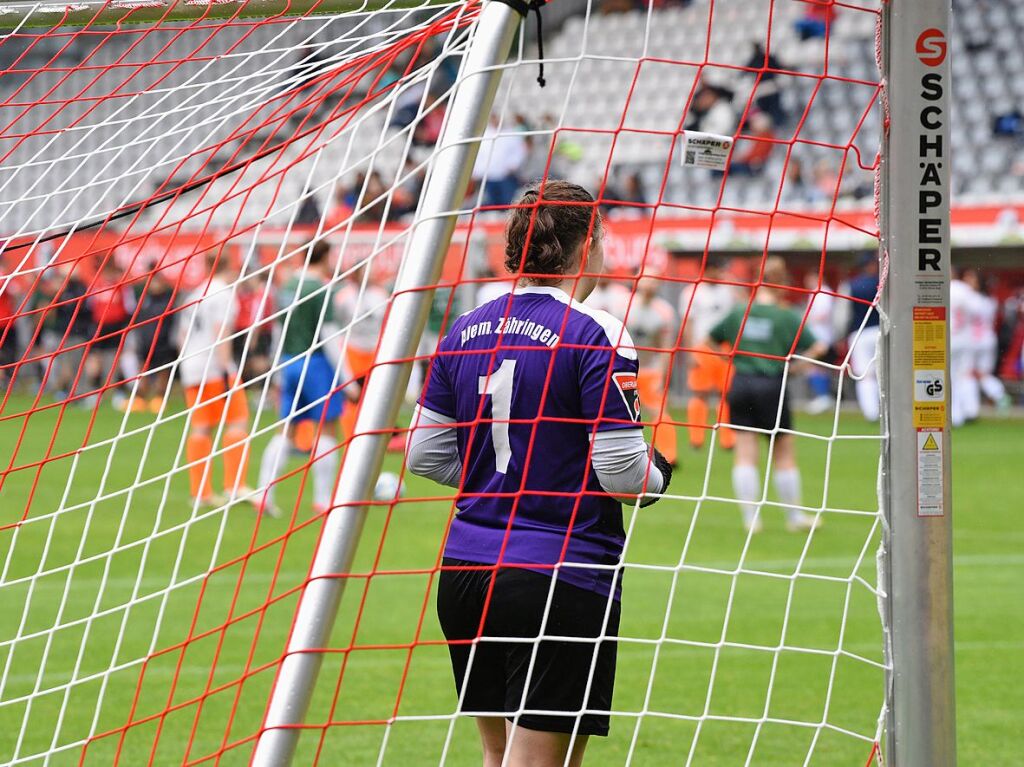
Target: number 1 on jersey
x=499, y=385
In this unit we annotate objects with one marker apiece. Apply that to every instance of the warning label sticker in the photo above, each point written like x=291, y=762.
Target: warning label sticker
x=930, y=484
x=706, y=150
x=929, y=353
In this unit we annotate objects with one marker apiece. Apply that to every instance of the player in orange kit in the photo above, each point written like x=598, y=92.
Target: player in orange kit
x=702, y=306
x=209, y=373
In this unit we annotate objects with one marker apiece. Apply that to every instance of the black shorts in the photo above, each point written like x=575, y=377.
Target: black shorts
x=259, y=345
x=159, y=348
x=110, y=336
x=754, y=402
x=499, y=671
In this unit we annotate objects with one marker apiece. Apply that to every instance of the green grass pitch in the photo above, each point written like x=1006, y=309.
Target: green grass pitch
x=706, y=642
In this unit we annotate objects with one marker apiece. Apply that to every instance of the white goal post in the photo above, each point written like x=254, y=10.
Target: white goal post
x=915, y=496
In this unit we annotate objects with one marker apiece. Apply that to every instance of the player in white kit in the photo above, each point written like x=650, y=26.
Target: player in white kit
x=609, y=296
x=651, y=322
x=701, y=307
x=984, y=347
x=209, y=374
x=359, y=310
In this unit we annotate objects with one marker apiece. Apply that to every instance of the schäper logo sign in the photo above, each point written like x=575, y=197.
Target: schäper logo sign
x=931, y=47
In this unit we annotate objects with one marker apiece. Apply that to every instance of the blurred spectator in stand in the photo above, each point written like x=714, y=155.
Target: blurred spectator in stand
x=309, y=210
x=633, y=189
x=856, y=186
x=543, y=156
x=154, y=339
x=254, y=329
x=710, y=110
x=428, y=129
x=618, y=6
x=498, y=164
x=816, y=21
x=407, y=190
x=362, y=198
x=626, y=197
x=820, y=313
x=797, y=189
x=826, y=181
x=75, y=326
x=769, y=92
x=1008, y=124
x=9, y=352
x=340, y=211
x=310, y=63
x=110, y=303
x=756, y=150
x=536, y=162
x=51, y=315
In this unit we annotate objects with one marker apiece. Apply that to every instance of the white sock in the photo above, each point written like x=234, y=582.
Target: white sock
x=746, y=484
x=275, y=455
x=787, y=485
x=868, y=396
x=325, y=470
x=993, y=388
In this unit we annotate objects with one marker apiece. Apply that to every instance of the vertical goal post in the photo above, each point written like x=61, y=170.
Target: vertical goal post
x=385, y=388
x=916, y=498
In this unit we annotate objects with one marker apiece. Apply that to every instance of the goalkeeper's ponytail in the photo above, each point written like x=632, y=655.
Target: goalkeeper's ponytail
x=548, y=226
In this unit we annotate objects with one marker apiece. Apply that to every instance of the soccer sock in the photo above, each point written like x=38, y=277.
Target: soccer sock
x=197, y=450
x=746, y=484
x=325, y=471
x=972, y=397
x=236, y=459
x=274, y=456
x=867, y=396
x=993, y=388
x=665, y=438
x=697, y=416
x=787, y=485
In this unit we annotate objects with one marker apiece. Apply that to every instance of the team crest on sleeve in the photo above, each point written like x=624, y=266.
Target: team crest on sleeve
x=629, y=390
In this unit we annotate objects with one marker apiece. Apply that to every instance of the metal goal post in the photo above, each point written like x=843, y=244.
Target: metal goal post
x=915, y=484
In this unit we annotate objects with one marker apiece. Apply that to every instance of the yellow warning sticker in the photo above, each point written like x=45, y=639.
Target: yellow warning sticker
x=929, y=337
x=929, y=353
x=930, y=474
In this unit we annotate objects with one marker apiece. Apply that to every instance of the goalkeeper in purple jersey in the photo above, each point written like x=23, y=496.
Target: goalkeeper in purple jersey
x=532, y=410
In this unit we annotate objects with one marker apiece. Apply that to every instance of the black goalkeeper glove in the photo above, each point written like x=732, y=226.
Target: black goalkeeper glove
x=662, y=465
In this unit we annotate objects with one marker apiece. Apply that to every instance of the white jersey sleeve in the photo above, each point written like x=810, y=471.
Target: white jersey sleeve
x=702, y=306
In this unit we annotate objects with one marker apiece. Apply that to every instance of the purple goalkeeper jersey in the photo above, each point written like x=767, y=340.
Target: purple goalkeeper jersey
x=528, y=379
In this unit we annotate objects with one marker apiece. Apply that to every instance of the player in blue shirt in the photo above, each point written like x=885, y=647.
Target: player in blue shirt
x=531, y=409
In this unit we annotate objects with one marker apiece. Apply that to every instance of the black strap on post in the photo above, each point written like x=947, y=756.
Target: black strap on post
x=523, y=8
